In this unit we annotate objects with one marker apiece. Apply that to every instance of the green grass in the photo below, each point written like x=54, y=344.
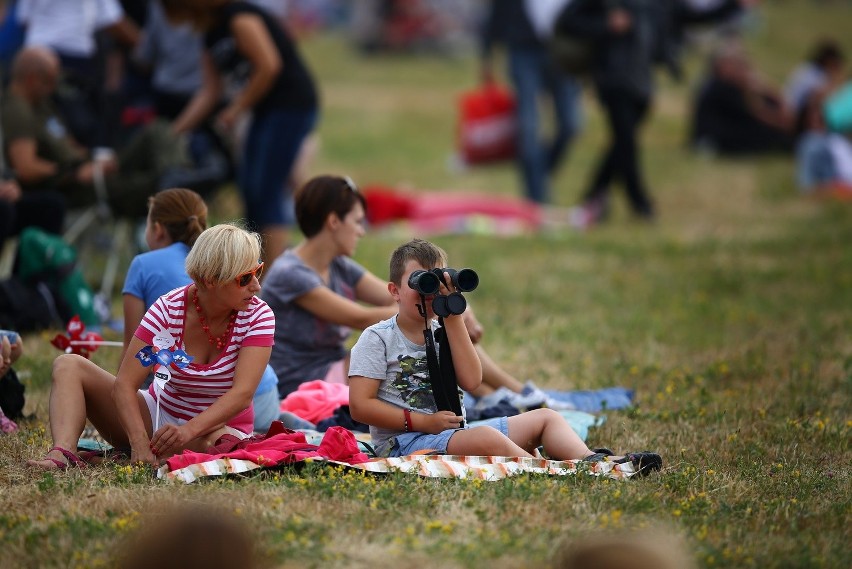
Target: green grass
x=730, y=318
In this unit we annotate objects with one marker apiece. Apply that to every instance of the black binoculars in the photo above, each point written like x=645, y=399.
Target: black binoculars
x=429, y=283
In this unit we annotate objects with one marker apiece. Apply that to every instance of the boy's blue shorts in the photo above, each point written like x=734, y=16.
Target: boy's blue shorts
x=408, y=443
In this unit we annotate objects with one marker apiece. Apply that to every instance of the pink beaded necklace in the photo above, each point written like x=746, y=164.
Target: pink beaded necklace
x=222, y=341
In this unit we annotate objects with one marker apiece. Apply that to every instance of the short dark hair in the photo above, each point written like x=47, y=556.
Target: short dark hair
x=324, y=195
x=424, y=252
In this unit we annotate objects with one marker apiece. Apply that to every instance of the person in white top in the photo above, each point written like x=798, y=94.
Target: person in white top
x=69, y=28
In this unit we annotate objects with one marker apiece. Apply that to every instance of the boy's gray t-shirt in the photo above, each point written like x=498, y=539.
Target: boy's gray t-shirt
x=305, y=346
x=385, y=354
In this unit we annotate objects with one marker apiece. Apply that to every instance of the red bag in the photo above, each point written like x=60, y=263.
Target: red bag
x=487, y=125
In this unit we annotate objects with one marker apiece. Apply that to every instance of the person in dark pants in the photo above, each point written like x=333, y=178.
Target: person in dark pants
x=246, y=47
x=628, y=38
x=623, y=35
x=533, y=72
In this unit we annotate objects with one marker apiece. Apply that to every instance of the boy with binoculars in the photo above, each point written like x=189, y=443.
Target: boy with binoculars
x=390, y=387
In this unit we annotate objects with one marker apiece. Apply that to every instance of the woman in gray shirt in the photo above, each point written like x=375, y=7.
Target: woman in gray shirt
x=319, y=294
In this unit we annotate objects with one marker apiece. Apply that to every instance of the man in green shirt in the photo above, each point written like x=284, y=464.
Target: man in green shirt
x=43, y=155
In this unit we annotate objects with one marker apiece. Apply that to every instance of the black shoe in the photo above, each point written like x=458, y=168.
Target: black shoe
x=644, y=462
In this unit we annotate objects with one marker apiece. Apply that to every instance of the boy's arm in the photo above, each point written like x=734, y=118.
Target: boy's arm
x=366, y=407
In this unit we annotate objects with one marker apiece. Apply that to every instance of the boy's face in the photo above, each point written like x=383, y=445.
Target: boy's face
x=407, y=297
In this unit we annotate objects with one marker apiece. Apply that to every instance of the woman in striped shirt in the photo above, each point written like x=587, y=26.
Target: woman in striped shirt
x=219, y=321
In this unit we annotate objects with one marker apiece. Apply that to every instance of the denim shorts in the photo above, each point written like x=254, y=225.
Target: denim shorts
x=408, y=443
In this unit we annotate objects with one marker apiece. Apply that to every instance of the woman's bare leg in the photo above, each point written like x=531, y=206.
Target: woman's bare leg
x=494, y=376
x=81, y=389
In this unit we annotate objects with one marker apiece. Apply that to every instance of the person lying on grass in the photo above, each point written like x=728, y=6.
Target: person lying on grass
x=218, y=321
x=390, y=388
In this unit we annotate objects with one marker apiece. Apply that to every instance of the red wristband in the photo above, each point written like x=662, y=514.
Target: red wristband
x=408, y=424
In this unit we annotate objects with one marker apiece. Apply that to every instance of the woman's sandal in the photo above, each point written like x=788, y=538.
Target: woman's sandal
x=71, y=458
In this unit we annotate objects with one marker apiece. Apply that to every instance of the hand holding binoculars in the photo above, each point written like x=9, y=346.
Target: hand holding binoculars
x=429, y=283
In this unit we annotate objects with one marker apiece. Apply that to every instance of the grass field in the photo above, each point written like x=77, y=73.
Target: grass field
x=730, y=317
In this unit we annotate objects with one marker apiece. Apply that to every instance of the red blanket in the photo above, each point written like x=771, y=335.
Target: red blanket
x=278, y=446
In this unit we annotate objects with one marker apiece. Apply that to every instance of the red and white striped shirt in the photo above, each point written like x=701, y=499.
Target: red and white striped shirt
x=194, y=388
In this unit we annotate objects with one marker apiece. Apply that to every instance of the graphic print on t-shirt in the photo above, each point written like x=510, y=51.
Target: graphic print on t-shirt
x=413, y=383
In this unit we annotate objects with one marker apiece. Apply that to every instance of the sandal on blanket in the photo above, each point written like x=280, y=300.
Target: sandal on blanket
x=71, y=459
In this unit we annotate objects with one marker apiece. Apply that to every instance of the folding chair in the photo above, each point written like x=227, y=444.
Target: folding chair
x=121, y=243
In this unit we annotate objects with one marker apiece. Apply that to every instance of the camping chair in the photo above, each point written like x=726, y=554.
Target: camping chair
x=100, y=215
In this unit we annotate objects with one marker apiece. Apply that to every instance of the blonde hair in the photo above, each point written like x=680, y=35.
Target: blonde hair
x=222, y=253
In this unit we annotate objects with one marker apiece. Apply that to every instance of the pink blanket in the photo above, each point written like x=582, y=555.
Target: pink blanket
x=316, y=400
x=280, y=446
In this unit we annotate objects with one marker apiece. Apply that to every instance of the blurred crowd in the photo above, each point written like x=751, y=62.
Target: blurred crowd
x=112, y=102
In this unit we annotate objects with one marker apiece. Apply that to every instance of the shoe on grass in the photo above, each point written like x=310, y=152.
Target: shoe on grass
x=643, y=462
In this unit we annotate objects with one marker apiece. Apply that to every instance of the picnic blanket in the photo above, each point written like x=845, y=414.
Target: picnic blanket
x=341, y=449
x=487, y=468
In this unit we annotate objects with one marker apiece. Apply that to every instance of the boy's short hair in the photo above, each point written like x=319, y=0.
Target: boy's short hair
x=427, y=254
x=322, y=196
x=222, y=253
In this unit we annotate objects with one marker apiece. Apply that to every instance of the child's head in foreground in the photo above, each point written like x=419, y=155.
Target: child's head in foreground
x=641, y=549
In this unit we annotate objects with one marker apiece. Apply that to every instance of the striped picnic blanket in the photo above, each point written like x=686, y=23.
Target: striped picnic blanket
x=488, y=468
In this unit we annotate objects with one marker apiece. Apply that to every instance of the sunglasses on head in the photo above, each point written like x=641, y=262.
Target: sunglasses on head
x=245, y=278
x=350, y=184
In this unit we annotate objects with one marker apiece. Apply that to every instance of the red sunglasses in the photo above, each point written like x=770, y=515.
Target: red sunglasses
x=245, y=278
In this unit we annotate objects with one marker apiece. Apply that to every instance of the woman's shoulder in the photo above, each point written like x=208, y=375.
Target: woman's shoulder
x=289, y=267
x=175, y=296
x=169, y=252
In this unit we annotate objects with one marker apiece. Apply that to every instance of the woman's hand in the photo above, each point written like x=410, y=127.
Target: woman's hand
x=438, y=422
x=170, y=439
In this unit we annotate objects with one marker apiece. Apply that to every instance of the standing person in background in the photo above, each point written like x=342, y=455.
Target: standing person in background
x=174, y=79
x=628, y=38
x=247, y=46
x=623, y=34
x=525, y=26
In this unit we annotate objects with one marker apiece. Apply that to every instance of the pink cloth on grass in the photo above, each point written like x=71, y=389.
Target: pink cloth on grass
x=316, y=400
x=278, y=446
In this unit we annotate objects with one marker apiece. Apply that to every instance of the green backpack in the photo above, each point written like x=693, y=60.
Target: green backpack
x=45, y=257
